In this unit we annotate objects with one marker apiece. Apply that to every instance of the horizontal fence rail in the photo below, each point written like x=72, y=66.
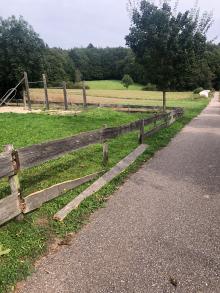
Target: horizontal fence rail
x=41, y=153
x=11, y=161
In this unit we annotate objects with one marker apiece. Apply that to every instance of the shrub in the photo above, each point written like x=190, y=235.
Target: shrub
x=127, y=81
x=69, y=84
x=79, y=85
x=150, y=87
x=198, y=90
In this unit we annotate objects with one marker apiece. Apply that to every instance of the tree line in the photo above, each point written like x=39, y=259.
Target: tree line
x=22, y=49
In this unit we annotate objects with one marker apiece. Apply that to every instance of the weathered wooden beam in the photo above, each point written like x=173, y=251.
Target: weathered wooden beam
x=24, y=100
x=172, y=118
x=6, y=164
x=105, y=153
x=65, y=96
x=9, y=208
x=141, y=138
x=84, y=95
x=164, y=101
x=36, y=200
x=40, y=153
x=13, y=180
x=27, y=90
x=46, y=92
x=101, y=182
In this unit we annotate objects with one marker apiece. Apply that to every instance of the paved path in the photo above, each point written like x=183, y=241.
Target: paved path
x=160, y=229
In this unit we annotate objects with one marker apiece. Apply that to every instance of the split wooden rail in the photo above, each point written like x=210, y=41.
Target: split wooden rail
x=12, y=161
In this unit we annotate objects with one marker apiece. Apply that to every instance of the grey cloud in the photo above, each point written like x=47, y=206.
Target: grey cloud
x=70, y=23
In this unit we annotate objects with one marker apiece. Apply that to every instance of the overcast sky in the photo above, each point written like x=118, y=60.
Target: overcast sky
x=71, y=23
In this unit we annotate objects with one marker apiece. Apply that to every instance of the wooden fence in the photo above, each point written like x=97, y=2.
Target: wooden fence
x=12, y=161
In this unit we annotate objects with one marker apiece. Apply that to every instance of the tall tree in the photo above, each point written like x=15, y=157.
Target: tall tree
x=58, y=66
x=21, y=49
x=170, y=45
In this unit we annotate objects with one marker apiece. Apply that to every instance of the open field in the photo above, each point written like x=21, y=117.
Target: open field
x=30, y=239
x=134, y=97
x=111, y=85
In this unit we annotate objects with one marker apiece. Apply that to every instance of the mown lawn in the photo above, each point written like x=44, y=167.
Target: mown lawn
x=29, y=239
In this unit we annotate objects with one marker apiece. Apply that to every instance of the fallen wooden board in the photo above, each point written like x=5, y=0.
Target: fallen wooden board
x=102, y=181
x=36, y=200
x=9, y=208
x=6, y=165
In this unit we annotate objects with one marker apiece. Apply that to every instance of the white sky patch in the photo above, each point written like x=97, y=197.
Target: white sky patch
x=69, y=23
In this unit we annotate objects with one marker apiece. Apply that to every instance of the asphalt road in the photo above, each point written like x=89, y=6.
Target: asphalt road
x=159, y=233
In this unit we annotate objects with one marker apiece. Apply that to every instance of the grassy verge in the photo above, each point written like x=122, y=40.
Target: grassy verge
x=29, y=239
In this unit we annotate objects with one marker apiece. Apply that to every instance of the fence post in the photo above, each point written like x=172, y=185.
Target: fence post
x=27, y=90
x=65, y=96
x=14, y=179
x=105, y=153
x=46, y=92
x=84, y=95
x=141, y=138
x=171, y=118
x=155, y=120
x=24, y=100
x=164, y=101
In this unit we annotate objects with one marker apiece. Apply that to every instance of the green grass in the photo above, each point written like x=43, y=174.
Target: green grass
x=29, y=239
x=111, y=85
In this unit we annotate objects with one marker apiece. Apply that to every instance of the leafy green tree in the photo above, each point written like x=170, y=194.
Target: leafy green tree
x=78, y=76
x=21, y=49
x=58, y=66
x=127, y=81
x=213, y=60
x=170, y=45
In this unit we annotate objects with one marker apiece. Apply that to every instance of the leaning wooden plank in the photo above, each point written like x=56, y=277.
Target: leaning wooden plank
x=40, y=153
x=35, y=200
x=102, y=181
x=6, y=165
x=9, y=208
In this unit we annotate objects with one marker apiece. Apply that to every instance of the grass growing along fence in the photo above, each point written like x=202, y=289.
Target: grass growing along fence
x=29, y=239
